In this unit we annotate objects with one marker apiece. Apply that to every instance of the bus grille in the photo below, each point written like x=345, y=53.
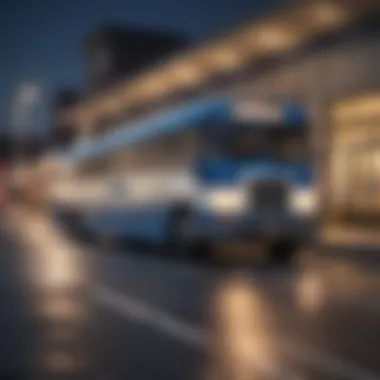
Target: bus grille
x=270, y=196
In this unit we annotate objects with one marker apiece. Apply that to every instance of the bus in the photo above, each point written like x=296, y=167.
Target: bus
x=207, y=173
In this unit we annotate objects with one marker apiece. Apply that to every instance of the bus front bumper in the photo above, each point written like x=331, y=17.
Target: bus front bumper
x=216, y=228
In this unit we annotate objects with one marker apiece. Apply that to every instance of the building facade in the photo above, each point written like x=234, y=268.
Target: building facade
x=113, y=54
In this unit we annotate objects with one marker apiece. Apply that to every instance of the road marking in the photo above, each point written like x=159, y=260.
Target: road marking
x=133, y=308
x=141, y=311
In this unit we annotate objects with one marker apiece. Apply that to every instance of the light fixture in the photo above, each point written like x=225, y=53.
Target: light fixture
x=326, y=15
x=187, y=74
x=226, y=58
x=154, y=86
x=272, y=38
x=363, y=107
x=113, y=104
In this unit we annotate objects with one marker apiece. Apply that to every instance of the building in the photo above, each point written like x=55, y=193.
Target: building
x=116, y=53
x=323, y=53
x=61, y=133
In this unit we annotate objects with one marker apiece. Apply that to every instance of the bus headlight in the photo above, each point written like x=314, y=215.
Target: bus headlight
x=226, y=201
x=304, y=201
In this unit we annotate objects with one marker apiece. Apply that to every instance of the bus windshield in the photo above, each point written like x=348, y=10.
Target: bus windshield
x=282, y=144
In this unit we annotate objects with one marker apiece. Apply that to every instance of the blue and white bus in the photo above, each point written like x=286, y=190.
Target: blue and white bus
x=207, y=172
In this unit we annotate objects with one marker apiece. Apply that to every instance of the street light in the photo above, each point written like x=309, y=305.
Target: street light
x=27, y=97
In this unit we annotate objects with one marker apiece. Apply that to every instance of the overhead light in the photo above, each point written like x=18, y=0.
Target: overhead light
x=327, y=15
x=187, y=74
x=272, y=38
x=113, y=104
x=156, y=86
x=226, y=59
x=152, y=86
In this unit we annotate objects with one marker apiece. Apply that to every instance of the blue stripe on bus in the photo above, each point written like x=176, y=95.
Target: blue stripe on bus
x=180, y=119
x=185, y=117
x=229, y=172
x=148, y=223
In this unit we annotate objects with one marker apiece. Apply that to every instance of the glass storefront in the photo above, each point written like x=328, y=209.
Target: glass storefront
x=355, y=160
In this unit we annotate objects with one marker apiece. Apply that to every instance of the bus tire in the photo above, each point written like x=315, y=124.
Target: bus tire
x=201, y=250
x=283, y=252
x=177, y=242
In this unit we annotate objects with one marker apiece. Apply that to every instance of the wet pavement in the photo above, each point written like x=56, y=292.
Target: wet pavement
x=84, y=312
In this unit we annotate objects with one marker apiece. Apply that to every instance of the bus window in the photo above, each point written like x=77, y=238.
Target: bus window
x=280, y=144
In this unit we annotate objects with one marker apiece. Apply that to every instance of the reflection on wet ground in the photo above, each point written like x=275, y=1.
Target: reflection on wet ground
x=243, y=331
x=89, y=315
x=266, y=331
x=58, y=309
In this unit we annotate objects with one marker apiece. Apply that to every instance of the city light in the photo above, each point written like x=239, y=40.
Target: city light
x=28, y=93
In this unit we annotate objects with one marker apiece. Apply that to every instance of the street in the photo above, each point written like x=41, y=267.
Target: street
x=78, y=311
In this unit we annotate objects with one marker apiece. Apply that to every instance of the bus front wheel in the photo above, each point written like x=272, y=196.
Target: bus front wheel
x=179, y=242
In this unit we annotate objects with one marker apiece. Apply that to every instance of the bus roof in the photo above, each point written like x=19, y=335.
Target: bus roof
x=181, y=118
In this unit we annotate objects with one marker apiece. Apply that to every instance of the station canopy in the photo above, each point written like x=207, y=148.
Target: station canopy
x=288, y=29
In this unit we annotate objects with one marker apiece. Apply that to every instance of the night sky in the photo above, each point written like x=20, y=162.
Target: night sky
x=41, y=40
